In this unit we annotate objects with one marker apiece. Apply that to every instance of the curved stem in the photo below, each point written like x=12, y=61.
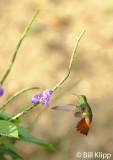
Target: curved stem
x=54, y=88
x=18, y=46
x=71, y=61
x=17, y=94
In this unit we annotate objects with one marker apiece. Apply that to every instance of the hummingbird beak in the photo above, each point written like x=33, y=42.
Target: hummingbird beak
x=74, y=94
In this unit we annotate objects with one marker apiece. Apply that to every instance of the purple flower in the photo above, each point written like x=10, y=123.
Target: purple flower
x=45, y=102
x=1, y=91
x=36, y=98
x=46, y=94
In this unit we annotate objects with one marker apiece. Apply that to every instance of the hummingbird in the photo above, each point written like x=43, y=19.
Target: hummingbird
x=82, y=110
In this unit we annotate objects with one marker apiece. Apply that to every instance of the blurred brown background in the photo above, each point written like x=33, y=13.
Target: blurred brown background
x=43, y=61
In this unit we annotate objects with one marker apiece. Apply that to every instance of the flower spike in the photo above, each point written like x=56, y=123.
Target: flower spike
x=46, y=94
x=1, y=92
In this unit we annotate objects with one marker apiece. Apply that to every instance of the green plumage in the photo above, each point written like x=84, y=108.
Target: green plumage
x=86, y=110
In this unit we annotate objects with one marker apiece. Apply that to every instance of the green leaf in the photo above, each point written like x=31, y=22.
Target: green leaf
x=43, y=143
x=24, y=132
x=25, y=136
x=8, y=129
x=9, y=143
x=2, y=157
x=5, y=116
x=13, y=154
x=40, y=142
x=16, y=121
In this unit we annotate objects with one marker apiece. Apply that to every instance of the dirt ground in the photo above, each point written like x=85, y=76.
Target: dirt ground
x=43, y=61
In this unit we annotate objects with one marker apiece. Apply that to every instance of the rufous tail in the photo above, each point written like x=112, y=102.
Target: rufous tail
x=83, y=126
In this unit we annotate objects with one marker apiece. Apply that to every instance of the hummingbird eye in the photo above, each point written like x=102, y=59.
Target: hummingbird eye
x=83, y=98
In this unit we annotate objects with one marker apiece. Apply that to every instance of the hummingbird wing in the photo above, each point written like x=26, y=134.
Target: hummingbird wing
x=79, y=112
x=70, y=107
x=66, y=107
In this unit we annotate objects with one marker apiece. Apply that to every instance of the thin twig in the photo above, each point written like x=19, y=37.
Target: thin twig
x=18, y=46
x=17, y=94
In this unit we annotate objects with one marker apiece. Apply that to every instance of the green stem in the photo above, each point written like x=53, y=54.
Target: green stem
x=71, y=61
x=26, y=110
x=22, y=113
x=65, y=91
x=54, y=100
x=54, y=88
x=18, y=46
x=17, y=94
